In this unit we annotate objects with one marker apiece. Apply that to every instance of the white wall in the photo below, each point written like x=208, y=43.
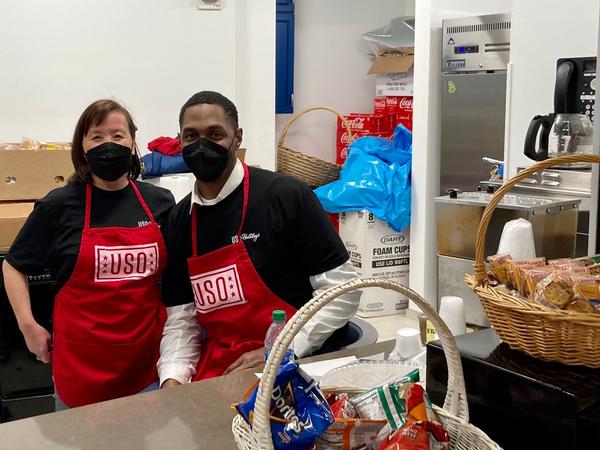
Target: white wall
x=426, y=131
x=537, y=41
x=331, y=65
x=152, y=55
x=255, y=78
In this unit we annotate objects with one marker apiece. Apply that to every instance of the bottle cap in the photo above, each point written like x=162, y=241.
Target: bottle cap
x=278, y=315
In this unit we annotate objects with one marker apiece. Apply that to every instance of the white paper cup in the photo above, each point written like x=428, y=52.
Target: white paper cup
x=408, y=342
x=453, y=313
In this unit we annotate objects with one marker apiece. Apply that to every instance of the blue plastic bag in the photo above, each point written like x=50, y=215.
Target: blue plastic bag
x=375, y=177
x=157, y=164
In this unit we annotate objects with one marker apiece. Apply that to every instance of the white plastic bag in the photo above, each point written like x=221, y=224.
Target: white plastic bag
x=517, y=239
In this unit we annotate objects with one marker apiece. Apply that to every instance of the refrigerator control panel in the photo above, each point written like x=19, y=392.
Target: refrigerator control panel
x=482, y=42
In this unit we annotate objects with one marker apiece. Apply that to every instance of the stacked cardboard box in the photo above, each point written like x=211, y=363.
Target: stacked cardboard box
x=376, y=250
x=25, y=176
x=392, y=105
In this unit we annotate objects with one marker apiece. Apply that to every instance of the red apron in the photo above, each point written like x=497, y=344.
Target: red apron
x=109, y=317
x=234, y=305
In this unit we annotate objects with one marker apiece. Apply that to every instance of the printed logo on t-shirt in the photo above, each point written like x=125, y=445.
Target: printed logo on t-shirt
x=130, y=262
x=245, y=237
x=217, y=289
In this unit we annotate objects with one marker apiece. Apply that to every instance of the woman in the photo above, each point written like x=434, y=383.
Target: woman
x=99, y=236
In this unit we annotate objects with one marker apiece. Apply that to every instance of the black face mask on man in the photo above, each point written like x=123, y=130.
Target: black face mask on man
x=206, y=159
x=109, y=161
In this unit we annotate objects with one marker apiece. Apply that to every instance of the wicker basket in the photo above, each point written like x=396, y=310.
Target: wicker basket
x=552, y=335
x=454, y=416
x=313, y=171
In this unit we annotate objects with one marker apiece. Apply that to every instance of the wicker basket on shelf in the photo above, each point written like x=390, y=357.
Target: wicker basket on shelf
x=551, y=335
x=313, y=171
x=454, y=415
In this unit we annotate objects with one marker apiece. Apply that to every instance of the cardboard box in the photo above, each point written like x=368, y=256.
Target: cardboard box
x=377, y=251
x=395, y=84
x=12, y=218
x=394, y=75
x=31, y=174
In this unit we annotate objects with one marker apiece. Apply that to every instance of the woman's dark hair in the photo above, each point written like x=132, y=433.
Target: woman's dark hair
x=93, y=115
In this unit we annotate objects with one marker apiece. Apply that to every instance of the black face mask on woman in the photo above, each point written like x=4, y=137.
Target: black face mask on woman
x=109, y=161
x=206, y=158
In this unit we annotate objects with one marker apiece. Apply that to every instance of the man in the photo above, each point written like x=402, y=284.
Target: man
x=245, y=242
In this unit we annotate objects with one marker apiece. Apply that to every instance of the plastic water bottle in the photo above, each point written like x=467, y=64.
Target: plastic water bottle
x=272, y=333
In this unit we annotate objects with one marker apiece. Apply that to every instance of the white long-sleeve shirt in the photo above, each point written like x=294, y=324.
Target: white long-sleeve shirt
x=180, y=348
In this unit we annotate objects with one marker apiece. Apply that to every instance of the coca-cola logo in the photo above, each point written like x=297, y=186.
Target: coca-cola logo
x=379, y=102
x=356, y=123
x=344, y=153
x=406, y=103
x=345, y=138
x=393, y=101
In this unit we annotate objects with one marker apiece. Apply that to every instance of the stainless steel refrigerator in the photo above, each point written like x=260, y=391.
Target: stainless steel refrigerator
x=475, y=56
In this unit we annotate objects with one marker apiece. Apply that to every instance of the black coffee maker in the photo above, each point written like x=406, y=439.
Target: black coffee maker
x=568, y=130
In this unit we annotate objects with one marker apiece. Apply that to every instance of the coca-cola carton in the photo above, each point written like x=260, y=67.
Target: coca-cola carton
x=362, y=122
x=343, y=142
x=379, y=106
x=404, y=111
x=398, y=110
x=361, y=125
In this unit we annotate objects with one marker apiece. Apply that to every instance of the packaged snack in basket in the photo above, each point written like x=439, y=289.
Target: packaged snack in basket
x=500, y=266
x=559, y=261
x=518, y=268
x=385, y=402
x=422, y=430
x=342, y=408
x=581, y=305
x=299, y=413
x=532, y=278
x=593, y=269
x=554, y=292
x=418, y=436
x=350, y=434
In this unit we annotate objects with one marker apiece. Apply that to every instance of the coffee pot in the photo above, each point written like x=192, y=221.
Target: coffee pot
x=569, y=129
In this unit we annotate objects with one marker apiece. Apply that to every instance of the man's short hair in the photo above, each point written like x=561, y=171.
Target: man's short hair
x=211, y=98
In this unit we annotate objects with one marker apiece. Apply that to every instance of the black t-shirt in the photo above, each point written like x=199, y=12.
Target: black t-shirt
x=51, y=235
x=287, y=235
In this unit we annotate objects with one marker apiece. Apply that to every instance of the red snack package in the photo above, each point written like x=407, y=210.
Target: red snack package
x=418, y=436
x=421, y=432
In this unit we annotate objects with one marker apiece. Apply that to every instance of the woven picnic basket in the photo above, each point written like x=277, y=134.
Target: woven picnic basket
x=312, y=170
x=552, y=335
x=454, y=415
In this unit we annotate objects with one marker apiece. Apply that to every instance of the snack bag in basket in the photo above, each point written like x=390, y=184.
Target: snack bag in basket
x=500, y=266
x=532, y=278
x=299, y=413
x=554, y=292
x=421, y=430
x=386, y=402
x=348, y=432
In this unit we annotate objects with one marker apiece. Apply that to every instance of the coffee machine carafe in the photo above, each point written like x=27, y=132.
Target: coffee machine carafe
x=569, y=129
